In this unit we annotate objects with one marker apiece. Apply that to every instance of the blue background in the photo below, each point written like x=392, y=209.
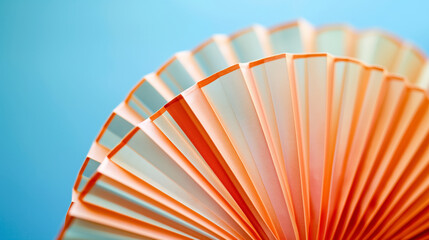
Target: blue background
x=64, y=66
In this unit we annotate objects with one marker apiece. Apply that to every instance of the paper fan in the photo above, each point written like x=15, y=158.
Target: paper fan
x=305, y=146
x=186, y=68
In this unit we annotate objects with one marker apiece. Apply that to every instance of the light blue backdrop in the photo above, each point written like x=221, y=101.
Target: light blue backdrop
x=64, y=65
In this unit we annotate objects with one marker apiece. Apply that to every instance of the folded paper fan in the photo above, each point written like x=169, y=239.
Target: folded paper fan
x=306, y=146
x=185, y=68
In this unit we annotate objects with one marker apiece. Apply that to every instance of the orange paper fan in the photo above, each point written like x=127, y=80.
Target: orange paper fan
x=292, y=146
